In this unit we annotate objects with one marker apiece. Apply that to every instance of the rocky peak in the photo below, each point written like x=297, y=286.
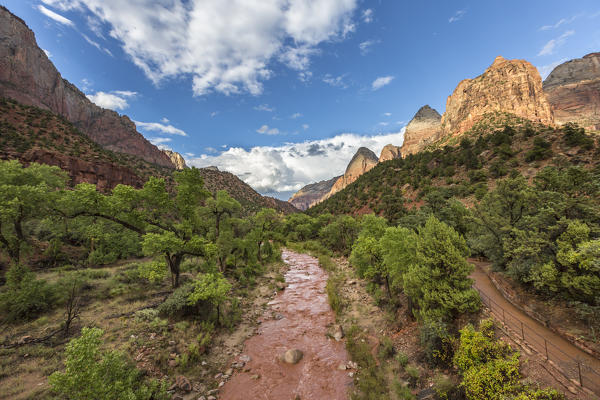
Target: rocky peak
x=176, y=159
x=573, y=90
x=363, y=161
x=511, y=86
x=389, y=152
x=423, y=129
x=311, y=194
x=29, y=77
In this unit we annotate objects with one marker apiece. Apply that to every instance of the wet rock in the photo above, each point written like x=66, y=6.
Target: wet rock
x=183, y=383
x=293, y=356
x=338, y=332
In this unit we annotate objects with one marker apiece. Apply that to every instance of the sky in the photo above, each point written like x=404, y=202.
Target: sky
x=283, y=92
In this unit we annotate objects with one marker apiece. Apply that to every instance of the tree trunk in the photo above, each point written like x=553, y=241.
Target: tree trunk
x=387, y=286
x=174, y=262
x=258, y=255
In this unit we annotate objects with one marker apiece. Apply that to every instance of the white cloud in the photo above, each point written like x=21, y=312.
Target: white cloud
x=305, y=126
x=560, y=22
x=108, y=100
x=96, y=44
x=48, y=54
x=365, y=46
x=384, y=123
x=158, y=127
x=265, y=130
x=164, y=120
x=457, y=16
x=387, y=114
x=295, y=115
x=381, y=82
x=367, y=16
x=214, y=114
x=86, y=85
x=126, y=93
x=551, y=45
x=289, y=167
x=224, y=46
x=264, y=107
x=207, y=149
x=546, y=69
x=336, y=81
x=160, y=142
x=56, y=17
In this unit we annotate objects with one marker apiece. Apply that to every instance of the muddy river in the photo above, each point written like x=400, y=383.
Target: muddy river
x=297, y=318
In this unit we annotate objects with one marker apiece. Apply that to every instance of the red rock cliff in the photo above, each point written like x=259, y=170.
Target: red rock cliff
x=511, y=86
x=573, y=90
x=28, y=76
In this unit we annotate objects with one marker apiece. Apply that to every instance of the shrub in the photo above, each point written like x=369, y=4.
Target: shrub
x=540, y=151
x=386, y=349
x=91, y=374
x=443, y=386
x=24, y=296
x=402, y=359
x=414, y=374
x=154, y=271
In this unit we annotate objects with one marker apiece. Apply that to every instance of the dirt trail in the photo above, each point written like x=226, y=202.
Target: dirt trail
x=296, y=319
x=560, y=350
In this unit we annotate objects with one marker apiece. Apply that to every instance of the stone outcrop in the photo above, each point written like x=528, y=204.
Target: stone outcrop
x=389, y=152
x=311, y=194
x=511, y=86
x=573, y=91
x=423, y=129
x=363, y=161
x=176, y=159
x=28, y=76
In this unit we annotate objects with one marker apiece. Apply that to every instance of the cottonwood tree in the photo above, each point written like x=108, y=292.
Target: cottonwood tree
x=170, y=223
x=26, y=194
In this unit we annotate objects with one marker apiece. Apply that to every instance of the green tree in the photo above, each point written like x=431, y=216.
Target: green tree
x=438, y=282
x=211, y=288
x=170, y=223
x=26, y=194
x=91, y=374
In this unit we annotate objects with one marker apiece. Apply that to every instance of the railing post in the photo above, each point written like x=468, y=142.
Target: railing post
x=522, y=330
x=546, y=347
x=579, y=369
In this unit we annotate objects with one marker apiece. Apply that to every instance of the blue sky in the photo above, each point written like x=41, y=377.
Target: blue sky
x=283, y=92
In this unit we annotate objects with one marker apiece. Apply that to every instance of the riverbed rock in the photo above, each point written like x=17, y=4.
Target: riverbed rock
x=338, y=332
x=293, y=356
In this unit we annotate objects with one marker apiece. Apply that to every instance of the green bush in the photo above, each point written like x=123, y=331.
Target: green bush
x=91, y=374
x=386, y=349
x=153, y=271
x=24, y=296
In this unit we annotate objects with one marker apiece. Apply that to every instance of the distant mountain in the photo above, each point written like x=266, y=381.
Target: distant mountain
x=424, y=128
x=28, y=76
x=573, y=90
x=311, y=194
x=362, y=161
x=176, y=159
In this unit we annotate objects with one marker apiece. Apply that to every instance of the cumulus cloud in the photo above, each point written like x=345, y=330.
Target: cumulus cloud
x=457, y=16
x=367, y=16
x=295, y=115
x=265, y=130
x=546, y=69
x=224, y=46
x=553, y=44
x=381, y=82
x=276, y=169
x=387, y=114
x=56, y=17
x=158, y=127
x=112, y=101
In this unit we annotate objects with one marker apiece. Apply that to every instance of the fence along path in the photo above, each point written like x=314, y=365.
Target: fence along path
x=579, y=366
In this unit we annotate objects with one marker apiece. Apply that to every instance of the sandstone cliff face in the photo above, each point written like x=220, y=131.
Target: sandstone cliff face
x=389, y=152
x=311, y=194
x=28, y=76
x=423, y=129
x=363, y=161
x=573, y=91
x=176, y=159
x=512, y=86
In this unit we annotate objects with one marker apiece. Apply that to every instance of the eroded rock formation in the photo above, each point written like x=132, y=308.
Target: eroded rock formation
x=511, y=86
x=573, y=91
x=389, y=152
x=363, y=161
x=311, y=194
x=28, y=76
x=423, y=129
x=176, y=159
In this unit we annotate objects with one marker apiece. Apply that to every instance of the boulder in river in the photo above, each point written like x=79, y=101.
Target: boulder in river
x=293, y=356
